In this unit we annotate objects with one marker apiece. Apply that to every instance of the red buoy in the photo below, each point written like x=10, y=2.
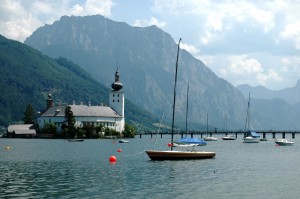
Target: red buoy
x=119, y=150
x=169, y=144
x=112, y=159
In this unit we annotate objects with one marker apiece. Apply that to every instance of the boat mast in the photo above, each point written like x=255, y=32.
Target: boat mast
x=207, y=124
x=187, y=108
x=173, y=117
x=247, y=123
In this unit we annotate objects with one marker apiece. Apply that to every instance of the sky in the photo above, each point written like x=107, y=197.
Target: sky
x=255, y=42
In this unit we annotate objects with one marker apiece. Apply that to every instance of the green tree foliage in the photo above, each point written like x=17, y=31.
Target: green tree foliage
x=80, y=133
x=129, y=131
x=49, y=128
x=29, y=115
x=70, y=120
x=111, y=132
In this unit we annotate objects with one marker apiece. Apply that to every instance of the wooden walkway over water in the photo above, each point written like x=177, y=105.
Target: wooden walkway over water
x=263, y=133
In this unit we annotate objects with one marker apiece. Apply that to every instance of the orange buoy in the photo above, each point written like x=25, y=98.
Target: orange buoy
x=112, y=159
x=169, y=144
x=119, y=150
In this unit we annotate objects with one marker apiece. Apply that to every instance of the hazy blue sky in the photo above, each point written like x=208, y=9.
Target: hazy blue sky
x=255, y=42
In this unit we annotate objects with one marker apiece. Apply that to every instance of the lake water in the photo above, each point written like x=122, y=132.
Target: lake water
x=42, y=168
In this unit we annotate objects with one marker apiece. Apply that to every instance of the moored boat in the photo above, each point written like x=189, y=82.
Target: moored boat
x=251, y=137
x=75, y=140
x=210, y=138
x=185, y=140
x=284, y=142
x=229, y=137
x=179, y=155
x=172, y=154
x=123, y=141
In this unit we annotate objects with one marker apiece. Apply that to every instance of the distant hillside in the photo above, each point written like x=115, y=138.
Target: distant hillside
x=277, y=113
x=28, y=76
x=290, y=95
x=146, y=59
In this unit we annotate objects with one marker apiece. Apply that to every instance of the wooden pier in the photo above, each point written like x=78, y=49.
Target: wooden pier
x=234, y=132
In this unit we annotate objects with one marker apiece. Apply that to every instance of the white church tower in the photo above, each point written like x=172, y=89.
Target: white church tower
x=117, y=99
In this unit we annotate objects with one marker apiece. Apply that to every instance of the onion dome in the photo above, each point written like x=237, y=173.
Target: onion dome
x=117, y=85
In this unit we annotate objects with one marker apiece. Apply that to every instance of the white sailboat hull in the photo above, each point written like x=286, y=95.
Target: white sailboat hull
x=229, y=137
x=251, y=140
x=284, y=142
x=210, y=139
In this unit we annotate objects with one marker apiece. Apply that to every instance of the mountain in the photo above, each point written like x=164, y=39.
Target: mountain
x=276, y=113
x=290, y=95
x=146, y=59
x=28, y=76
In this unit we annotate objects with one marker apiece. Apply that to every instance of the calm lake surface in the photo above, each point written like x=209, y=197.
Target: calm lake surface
x=44, y=168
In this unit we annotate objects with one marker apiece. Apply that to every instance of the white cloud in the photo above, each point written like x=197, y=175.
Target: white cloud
x=92, y=7
x=271, y=75
x=206, y=59
x=18, y=19
x=15, y=21
x=291, y=64
x=233, y=36
x=152, y=21
x=242, y=64
x=292, y=31
x=216, y=19
x=190, y=48
x=244, y=69
x=241, y=33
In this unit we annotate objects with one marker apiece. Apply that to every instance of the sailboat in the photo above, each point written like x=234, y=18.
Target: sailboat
x=209, y=138
x=172, y=154
x=250, y=136
x=185, y=140
x=227, y=137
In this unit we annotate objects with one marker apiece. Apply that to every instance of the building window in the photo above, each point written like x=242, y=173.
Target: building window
x=113, y=95
x=118, y=95
x=113, y=100
x=118, y=100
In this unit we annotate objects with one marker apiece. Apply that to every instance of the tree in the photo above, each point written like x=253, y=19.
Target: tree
x=49, y=128
x=129, y=131
x=70, y=120
x=29, y=115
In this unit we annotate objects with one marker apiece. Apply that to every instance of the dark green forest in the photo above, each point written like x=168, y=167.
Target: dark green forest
x=28, y=76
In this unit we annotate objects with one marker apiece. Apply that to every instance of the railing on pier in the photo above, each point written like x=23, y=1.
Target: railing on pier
x=235, y=132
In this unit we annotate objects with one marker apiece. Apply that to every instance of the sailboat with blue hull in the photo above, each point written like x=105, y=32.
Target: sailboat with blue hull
x=178, y=155
x=250, y=136
x=186, y=140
